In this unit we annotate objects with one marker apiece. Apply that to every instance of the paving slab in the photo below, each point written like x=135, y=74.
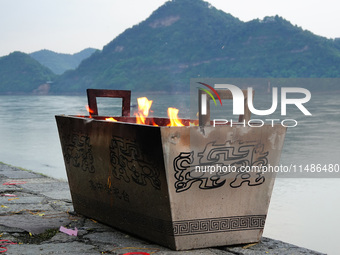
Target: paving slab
x=8, y=188
x=271, y=247
x=32, y=221
x=37, y=223
x=52, y=189
x=18, y=174
x=73, y=248
x=21, y=200
x=17, y=208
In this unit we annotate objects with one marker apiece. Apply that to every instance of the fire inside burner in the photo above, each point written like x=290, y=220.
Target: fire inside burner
x=142, y=115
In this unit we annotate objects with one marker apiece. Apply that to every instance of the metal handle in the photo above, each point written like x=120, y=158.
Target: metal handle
x=92, y=94
x=224, y=94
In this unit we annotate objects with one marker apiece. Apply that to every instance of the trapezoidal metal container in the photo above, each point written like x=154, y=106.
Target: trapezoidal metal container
x=150, y=180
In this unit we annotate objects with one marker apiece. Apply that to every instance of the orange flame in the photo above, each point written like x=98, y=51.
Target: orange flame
x=111, y=119
x=89, y=110
x=174, y=121
x=144, y=106
x=154, y=124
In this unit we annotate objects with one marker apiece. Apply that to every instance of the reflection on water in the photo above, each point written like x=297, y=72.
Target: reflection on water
x=302, y=211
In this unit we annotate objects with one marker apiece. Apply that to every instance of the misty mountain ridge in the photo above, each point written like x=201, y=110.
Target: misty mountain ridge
x=21, y=74
x=186, y=39
x=60, y=62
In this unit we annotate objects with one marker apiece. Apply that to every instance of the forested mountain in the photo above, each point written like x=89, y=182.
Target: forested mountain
x=59, y=62
x=186, y=39
x=19, y=74
x=182, y=39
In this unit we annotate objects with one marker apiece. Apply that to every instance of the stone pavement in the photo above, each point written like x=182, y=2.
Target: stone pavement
x=33, y=207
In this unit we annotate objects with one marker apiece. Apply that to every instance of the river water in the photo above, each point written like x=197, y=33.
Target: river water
x=303, y=211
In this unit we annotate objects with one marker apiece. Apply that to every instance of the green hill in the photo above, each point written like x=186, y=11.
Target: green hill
x=21, y=74
x=186, y=39
x=182, y=39
x=59, y=62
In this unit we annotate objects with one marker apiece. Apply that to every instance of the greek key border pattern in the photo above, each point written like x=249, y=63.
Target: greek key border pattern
x=215, y=225
x=176, y=228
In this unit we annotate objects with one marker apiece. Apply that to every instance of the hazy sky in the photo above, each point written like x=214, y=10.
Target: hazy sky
x=69, y=26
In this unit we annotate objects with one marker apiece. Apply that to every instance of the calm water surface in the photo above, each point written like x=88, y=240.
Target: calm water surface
x=303, y=211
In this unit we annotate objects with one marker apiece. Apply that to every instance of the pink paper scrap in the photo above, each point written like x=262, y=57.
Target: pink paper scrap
x=70, y=232
x=8, y=195
x=14, y=183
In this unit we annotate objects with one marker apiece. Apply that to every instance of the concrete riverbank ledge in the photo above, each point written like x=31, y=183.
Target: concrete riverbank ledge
x=37, y=217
